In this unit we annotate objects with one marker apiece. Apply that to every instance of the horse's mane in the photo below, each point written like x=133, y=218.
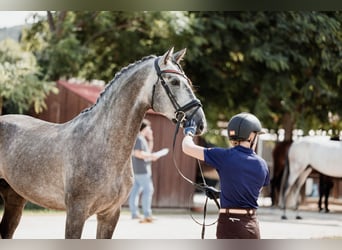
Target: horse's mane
x=116, y=77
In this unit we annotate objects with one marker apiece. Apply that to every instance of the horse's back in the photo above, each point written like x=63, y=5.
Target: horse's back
x=312, y=144
x=320, y=153
x=23, y=121
x=15, y=126
x=19, y=130
x=308, y=144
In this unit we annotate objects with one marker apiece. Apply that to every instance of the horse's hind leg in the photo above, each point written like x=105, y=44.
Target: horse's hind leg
x=301, y=180
x=106, y=224
x=14, y=205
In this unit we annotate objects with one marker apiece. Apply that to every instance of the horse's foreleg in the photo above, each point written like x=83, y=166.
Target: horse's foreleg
x=106, y=224
x=284, y=217
x=283, y=192
x=75, y=220
x=14, y=205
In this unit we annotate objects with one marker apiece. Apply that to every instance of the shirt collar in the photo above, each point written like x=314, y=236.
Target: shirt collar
x=244, y=149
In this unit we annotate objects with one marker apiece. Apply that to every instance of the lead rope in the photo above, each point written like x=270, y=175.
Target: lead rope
x=210, y=192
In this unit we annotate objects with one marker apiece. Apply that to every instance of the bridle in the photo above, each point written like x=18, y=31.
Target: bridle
x=180, y=113
x=180, y=117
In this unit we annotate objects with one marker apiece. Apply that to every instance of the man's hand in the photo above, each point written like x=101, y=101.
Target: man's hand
x=190, y=127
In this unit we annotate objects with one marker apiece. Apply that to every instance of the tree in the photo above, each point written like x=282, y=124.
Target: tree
x=283, y=66
x=95, y=45
x=20, y=87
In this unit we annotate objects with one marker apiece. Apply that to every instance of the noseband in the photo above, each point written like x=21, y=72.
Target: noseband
x=180, y=115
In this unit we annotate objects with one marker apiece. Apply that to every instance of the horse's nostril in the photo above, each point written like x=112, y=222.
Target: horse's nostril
x=201, y=127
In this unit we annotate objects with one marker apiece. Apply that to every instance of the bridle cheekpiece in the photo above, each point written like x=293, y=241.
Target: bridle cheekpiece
x=180, y=113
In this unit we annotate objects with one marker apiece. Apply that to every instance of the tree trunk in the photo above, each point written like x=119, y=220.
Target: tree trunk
x=288, y=124
x=1, y=103
x=50, y=21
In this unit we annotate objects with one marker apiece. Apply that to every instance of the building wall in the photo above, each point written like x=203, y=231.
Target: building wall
x=171, y=190
x=64, y=106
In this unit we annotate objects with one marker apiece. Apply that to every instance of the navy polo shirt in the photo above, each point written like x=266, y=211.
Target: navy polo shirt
x=242, y=175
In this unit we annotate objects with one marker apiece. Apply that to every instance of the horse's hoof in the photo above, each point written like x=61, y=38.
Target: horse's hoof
x=299, y=217
x=284, y=217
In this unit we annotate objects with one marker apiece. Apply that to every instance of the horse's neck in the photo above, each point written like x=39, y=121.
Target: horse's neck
x=121, y=108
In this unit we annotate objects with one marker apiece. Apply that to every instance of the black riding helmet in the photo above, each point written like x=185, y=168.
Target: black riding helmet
x=241, y=125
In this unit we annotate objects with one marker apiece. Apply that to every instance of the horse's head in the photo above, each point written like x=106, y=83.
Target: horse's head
x=173, y=95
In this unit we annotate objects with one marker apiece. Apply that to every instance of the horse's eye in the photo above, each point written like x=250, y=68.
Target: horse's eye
x=175, y=82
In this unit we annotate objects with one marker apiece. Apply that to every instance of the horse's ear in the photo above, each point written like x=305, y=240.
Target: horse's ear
x=178, y=56
x=167, y=56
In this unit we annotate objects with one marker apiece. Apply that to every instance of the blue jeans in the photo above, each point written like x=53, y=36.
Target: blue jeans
x=142, y=183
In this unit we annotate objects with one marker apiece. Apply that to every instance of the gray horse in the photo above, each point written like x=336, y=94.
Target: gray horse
x=84, y=166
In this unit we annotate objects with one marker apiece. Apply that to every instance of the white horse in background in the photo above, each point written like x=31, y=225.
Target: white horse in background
x=310, y=152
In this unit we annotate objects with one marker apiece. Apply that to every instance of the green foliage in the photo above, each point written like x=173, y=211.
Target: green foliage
x=274, y=64
x=20, y=87
x=271, y=64
x=95, y=45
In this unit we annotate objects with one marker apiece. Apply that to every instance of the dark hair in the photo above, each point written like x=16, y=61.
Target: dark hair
x=144, y=124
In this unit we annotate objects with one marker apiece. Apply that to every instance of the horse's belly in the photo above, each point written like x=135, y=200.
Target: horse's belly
x=49, y=200
x=39, y=190
x=44, y=196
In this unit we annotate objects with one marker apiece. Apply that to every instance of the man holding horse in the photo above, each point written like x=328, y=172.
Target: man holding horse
x=242, y=175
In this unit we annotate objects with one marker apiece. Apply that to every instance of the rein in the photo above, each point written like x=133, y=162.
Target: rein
x=180, y=117
x=209, y=191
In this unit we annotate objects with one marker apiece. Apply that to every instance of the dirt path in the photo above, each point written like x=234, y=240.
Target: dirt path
x=177, y=224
